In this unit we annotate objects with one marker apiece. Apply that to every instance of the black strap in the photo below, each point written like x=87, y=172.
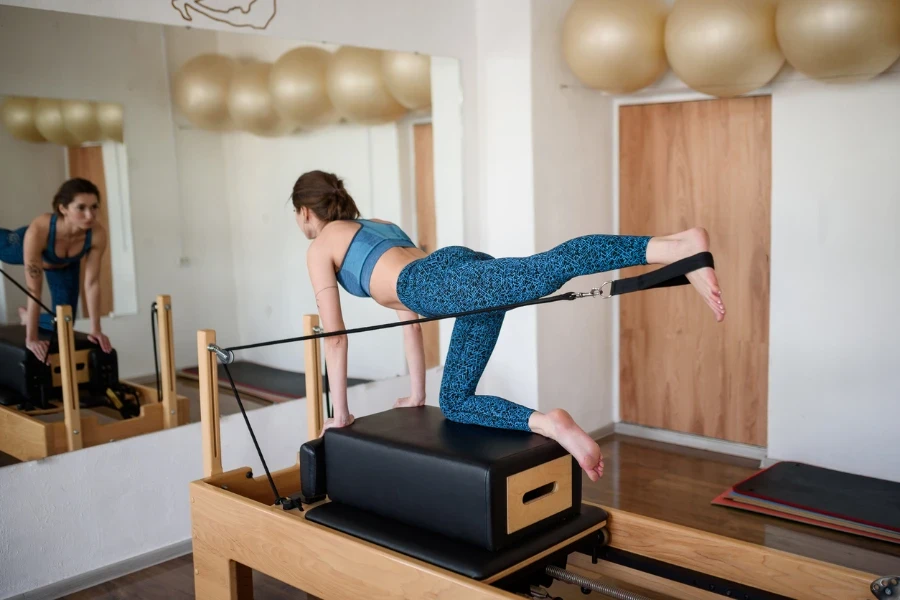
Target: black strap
x=667, y=276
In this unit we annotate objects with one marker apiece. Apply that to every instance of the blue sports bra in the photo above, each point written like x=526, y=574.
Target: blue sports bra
x=49, y=253
x=370, y=241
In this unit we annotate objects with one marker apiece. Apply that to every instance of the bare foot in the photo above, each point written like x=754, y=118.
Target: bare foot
x=23, y=315
x=558, y=425
x=408, y=403
x=668, y=249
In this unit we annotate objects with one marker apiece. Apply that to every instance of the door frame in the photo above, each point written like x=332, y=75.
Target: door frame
x=685, y=439
x=408, y=205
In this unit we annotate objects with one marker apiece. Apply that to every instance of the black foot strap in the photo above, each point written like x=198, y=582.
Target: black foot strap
x=667, y=276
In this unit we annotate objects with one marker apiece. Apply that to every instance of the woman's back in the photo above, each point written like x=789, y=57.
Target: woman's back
x=367, y=256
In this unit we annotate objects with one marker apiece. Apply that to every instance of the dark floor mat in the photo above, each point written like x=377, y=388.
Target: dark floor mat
x=856, y=498
x=260, y=381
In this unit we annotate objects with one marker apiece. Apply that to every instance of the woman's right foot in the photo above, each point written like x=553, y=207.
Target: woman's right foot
x=559, y=425
x=668, y=249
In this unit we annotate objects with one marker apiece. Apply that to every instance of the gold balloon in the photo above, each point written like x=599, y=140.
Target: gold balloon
x=110, y=118
x=18, y=118
x=615, y=45
x=80, y=119
x=357, y=88
x=48, y=118
x=250, y=103
x=299, y=89
x=200, y=89
x=839, y=40
x=408, y=78
x=723, y=48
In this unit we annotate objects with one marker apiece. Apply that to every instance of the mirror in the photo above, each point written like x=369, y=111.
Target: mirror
x=218, y=125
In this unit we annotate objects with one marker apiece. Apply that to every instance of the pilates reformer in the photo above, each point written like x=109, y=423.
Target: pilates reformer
x=403, y=504
x=77, y=368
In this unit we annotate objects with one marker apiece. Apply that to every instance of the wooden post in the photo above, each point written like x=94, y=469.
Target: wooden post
x=167, y=359
x=71, y=400
x=209, y=403
x=314, y=419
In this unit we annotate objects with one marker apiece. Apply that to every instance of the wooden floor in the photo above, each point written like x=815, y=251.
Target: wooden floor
x=658, y=480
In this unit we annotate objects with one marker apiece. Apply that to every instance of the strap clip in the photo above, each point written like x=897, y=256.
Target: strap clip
x=598, y=292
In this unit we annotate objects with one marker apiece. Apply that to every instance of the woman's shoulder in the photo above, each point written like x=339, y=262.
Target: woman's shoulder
x=99, y=236
x=42, y=220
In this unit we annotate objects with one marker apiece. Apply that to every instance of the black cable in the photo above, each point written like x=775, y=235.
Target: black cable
x=328, y=410
x=672, y=274
x=54, y=339
x=278, y=498
x=27, y=293
x=154, y=311
x=564, y=296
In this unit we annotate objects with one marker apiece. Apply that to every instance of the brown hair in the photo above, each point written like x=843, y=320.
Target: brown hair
x=71, y=188
x=324, y=194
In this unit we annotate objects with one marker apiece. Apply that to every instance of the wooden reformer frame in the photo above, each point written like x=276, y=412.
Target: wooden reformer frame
x=28, y=438
x=237, y=528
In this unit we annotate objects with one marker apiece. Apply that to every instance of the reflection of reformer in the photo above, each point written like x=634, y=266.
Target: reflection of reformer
x=78, y=375
x=403, y=504
x=32, y=385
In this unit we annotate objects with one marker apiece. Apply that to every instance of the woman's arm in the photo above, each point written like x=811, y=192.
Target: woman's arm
x=415, y=356
x=328, y=301
x=99, y=242
x=33, y=244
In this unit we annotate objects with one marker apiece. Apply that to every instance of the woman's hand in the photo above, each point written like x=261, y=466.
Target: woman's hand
x=99, y=338
x=336, y=422
x=39, y=348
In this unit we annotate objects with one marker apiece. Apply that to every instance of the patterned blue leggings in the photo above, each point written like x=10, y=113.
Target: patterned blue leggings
x=457, y=279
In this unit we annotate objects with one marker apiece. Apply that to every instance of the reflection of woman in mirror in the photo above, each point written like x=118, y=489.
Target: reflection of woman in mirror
x=54, y=243
x=374, y=258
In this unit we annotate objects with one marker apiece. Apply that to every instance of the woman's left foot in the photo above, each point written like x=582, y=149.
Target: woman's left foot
x=668, y=249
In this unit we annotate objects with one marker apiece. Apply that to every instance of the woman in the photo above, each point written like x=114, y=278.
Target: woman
x=374, y=258
x=54, y=243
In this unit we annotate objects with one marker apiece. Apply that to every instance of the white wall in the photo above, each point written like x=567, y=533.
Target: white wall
x=572, y=190
x=30, y=174
x=834, y=385
x=54, y=54
x=506, y=188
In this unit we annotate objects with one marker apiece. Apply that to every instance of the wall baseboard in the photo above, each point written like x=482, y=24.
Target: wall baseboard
x=606, y=431
x=108, y=573
x=692, y=441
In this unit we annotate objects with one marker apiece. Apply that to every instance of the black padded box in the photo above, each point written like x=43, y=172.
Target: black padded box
x=488, y=487
x=24, y=378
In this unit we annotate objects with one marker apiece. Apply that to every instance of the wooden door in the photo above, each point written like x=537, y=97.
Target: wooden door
x=87, y=162
x=426, y=223
x=707, y=164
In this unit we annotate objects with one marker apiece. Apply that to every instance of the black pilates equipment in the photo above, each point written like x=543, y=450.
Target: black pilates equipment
x=470, y=499
x=28, y=383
